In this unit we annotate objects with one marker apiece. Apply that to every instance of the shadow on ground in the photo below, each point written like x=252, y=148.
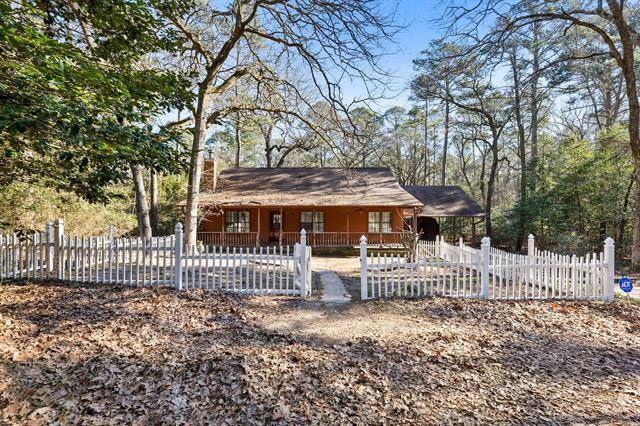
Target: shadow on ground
x=94, y=354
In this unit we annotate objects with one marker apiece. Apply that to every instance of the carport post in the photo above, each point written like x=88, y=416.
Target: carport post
x=484, y=253
x=363, y=268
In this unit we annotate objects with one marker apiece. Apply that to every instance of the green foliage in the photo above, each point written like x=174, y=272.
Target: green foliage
x=579, y=194
x=74, y=118
x=25, y=207
x=172, y=189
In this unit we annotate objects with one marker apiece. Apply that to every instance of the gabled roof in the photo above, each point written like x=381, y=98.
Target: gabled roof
x=308, y=187
x=445, y=201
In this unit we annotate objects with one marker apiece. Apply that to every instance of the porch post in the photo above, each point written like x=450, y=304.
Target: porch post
x=474, y=236
x=348, y=214
x=281, y=226
x=259, y=220
x=224, y=224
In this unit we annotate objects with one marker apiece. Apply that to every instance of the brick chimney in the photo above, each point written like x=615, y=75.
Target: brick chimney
x=210, y=175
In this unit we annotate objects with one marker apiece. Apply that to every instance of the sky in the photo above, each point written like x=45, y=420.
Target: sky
x=416, y=17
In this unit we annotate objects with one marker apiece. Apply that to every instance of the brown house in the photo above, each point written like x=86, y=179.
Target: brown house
x=258, y=206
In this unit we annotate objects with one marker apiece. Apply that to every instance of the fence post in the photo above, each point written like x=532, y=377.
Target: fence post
x=460, y=247
x=112, y=231
x=58, y=235
x=531, y=251
x=363, y=268
x=609, y=258
x=178, y=257
x=48, y=232
x=303, y=263
x=531, y=245
x=484, y=252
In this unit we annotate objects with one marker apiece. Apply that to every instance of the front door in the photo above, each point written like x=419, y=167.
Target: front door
x=275, y=225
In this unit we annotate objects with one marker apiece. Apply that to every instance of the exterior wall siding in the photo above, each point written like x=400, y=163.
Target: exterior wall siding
x=336, y=219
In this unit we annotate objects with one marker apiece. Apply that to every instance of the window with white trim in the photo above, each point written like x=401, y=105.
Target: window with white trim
x=379, y=222
x=237, y=221
x=312, y=221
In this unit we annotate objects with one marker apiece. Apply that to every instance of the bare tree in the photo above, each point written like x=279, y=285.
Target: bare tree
x=613, y=21
x=469, y=89
x=322, y=36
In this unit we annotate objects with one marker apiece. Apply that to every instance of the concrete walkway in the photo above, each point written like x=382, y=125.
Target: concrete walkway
x=333, y=290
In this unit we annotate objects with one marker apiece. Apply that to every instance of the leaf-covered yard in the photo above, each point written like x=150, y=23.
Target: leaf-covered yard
x=114, y=355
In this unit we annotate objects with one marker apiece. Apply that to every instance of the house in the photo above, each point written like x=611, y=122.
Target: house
x=259, y=206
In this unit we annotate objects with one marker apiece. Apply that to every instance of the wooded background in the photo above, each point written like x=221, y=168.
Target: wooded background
x=531, y=107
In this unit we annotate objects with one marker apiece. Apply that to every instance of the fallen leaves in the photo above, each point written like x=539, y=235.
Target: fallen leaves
x=118, y=355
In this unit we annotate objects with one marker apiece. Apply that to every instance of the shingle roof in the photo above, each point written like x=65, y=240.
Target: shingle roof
x=445, y=201
x=308, y=186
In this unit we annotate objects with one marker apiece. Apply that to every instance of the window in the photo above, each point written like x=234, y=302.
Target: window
x=312, y=221
x=379, y=222
x=237, y=221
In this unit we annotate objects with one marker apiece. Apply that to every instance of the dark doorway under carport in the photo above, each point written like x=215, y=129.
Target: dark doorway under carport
x=428, y=227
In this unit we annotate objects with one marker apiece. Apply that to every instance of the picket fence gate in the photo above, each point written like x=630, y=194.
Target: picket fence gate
x=52, y=255
x=441, y=269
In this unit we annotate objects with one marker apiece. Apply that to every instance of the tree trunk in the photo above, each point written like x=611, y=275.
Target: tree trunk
x=195, y=172
x=142, y=207
x=627, y=63
x=268, y=149
x=634, y=140
x=535, y=54
x=491, y=187
x=625, y=206
x=153, y=190
x=237, y=135
x=522, y=151
x=426, y=142
x=445, y=147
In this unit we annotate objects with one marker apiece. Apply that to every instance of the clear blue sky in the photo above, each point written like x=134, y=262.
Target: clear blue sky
x=416, y=16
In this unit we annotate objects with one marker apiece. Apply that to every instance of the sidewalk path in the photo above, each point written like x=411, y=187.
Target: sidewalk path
x=333, y=290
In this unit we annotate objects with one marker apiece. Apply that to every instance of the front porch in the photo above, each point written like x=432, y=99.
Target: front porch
x=330, y=226
x=314, y=239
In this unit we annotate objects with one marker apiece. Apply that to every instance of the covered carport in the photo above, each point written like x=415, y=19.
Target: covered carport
x=444, y=202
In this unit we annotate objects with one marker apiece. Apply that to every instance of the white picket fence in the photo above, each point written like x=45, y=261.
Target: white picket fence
x=442, y=269
x=52, y=255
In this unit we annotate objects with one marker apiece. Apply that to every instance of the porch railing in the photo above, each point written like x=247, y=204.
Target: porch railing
x=237, y=239
x=314, y=239
x=345, y=239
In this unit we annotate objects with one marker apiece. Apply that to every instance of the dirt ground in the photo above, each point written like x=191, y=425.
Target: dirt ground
x=114, y=355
